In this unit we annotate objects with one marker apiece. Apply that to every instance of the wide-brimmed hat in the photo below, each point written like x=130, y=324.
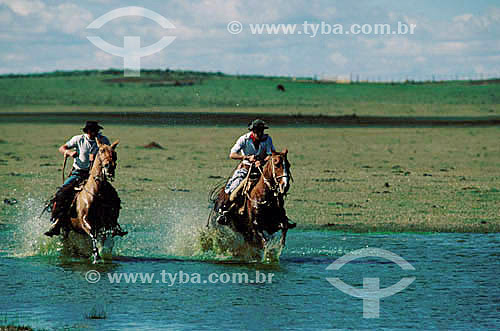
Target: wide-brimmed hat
x=89, y=125
x=257, y=124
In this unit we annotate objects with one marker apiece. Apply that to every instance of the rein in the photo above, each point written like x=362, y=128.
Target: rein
x=64, y=167
x=286, y=174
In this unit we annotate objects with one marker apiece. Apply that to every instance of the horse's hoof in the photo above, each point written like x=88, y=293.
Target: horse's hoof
x=291, y=225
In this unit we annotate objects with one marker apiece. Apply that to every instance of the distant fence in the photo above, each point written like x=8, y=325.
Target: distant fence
x=401, y=78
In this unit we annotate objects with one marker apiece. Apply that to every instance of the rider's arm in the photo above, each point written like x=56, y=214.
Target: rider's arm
x=237, y=148
x=67, y=151
x=238, y=156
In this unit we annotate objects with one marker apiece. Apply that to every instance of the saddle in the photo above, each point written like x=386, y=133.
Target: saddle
x=237, y=198
x=250, y=179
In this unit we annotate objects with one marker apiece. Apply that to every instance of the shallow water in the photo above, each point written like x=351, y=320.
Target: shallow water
x=456, y=284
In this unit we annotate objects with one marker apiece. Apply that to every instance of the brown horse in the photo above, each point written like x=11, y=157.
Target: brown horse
x=92, y=211
x=262, y=211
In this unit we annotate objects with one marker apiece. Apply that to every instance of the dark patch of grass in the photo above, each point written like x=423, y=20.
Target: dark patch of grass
x=96, y=313
x=15, y=328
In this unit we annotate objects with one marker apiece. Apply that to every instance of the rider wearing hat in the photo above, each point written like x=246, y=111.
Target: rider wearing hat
x=83, y=149
x=253, y=148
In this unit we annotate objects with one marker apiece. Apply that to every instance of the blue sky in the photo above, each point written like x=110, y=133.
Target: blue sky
x=451, y=37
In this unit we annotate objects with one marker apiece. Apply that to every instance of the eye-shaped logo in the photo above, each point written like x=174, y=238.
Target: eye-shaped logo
x=131, y=51
x=371, y=292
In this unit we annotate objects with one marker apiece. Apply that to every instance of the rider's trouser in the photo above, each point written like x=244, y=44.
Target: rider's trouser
x=61, y=203
x=238, y=176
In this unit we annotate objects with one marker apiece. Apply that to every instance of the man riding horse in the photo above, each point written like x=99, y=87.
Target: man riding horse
x=253, y=149
x=83, y=148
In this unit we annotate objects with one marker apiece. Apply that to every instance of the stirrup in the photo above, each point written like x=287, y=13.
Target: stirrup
x=119, y=232
x=222, y=219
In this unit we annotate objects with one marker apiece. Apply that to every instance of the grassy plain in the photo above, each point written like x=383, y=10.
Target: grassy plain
x=349, y=179
x=211, y=92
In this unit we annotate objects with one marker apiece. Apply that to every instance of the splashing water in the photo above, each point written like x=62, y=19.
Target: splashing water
x=28, y=228
x=174, y=230
x=224, y=243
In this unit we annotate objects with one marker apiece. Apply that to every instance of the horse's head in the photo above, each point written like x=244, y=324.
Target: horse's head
x=281, y=171
x=107, y=158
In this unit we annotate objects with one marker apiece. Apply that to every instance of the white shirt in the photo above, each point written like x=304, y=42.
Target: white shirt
x=245, y=146
x=84, y=147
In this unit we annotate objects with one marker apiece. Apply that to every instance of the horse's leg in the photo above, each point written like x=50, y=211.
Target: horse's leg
x=258, y=236
x=95, y=251
x=85, y=226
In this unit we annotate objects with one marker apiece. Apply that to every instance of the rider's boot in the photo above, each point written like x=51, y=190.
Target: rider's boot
x=224, y=212
x=290, y=224
x=59, y=209
x=55, y=229
x=117, y=231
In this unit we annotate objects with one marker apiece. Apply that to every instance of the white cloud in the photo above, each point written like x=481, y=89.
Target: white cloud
x=68, y=18
x=338, y=59
x=24, y=7
x=53, y=34
x=463, y=18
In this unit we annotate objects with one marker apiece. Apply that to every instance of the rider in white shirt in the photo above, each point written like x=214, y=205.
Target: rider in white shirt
x=255, y=148
x=83, y=149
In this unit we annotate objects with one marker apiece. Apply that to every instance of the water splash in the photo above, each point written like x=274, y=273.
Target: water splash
x=224, y=243
x=173, y=229
x=28, y=228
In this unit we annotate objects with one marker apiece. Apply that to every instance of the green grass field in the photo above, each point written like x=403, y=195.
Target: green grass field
x=156, y=91
x=349, y=179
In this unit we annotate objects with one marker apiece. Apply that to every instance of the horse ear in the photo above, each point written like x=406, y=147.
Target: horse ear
x=113, y=145
x=274, y=153
x=99, y=143
x=285, y=152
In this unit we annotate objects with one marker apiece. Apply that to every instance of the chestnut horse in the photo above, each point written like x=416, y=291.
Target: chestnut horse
x=92, y=212
x=262, y=210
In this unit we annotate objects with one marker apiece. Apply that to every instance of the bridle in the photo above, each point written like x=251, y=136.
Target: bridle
x=102, y=176
x=286, y=174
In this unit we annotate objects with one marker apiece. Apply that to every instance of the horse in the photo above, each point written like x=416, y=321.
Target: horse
x=93, y=215
x=262, y=211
